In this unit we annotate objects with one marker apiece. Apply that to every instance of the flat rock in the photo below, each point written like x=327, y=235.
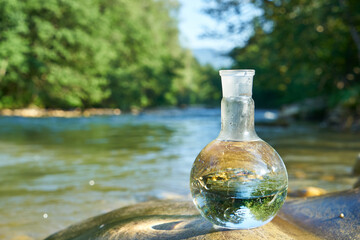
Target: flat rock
x=311, y=218
x=331, y=216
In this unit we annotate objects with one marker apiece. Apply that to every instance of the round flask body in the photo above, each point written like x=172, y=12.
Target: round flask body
x=238, y=184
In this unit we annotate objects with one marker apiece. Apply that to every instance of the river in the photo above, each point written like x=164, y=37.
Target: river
x=58, y=171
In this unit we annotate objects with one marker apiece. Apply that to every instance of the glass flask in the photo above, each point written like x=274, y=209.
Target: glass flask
x=238, y=180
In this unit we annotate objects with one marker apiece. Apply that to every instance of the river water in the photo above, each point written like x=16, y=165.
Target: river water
x=58, y=171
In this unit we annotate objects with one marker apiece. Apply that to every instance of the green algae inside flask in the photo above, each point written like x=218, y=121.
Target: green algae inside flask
x=238, y=180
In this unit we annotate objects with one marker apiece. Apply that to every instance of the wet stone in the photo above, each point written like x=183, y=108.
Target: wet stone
x=310, y=218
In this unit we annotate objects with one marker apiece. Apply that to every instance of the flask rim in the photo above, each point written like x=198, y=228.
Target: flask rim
x=237, y=72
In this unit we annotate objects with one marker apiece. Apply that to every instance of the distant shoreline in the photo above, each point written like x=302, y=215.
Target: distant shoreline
x=39, y=112
x=77, y=112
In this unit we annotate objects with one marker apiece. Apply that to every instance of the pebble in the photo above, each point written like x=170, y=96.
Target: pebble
x=357, y=184
x=329, y=178
x=22, y=237
x=300, y=174
x=356, y=170
x=314, y=191
x=308, y=192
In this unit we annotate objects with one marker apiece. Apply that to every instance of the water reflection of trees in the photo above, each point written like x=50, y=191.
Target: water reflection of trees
x=267, y=198
x=266, y=207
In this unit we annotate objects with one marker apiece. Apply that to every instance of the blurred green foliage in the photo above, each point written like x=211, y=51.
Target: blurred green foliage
x=299, y=48
x=92, y=53
x=121, y=53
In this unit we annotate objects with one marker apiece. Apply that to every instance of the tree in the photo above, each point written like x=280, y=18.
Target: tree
x=299, y=48
x=150, y=56
x=13, y=50
x=64, y=54
x=84, y=53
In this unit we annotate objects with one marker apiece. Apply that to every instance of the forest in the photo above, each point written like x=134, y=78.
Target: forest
x=126, y=54
x=88, y=53
x=300, y=49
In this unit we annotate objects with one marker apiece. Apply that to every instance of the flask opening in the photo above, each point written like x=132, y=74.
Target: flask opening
x=238, y=72
x=236, y=83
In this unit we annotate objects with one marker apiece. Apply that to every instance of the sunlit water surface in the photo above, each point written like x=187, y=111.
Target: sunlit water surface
x=56, y=171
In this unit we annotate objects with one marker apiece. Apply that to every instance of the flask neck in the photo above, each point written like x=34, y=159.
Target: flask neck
x=237, y=119
x=237, y=106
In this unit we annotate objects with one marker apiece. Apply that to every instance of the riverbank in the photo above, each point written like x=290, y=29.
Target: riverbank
x=338, y=118
x=314, y=111
x=38, y=112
